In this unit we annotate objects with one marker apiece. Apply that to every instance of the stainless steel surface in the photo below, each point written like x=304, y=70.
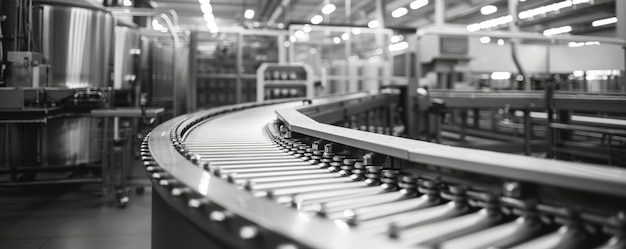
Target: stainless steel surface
x=311, y=232
x=126, y=52
x=553, y=172
x=77, y=43
x=429, y=196
x=59, y=142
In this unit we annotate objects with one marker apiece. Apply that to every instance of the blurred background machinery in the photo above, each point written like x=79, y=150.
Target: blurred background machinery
x=79, y=86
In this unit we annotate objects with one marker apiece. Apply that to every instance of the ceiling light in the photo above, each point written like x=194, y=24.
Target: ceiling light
x=500, y=42
x=399, y=12
x=249, y=14
x=286, y=44
x=605, y=21
x=491, y=23
x=127, y=3
x=256, y=24
x=356, y=31
x=317, y=19
x=307, y=28
x=488, y=9
x=373, y=24
x=500, y=75
x=292, y=39
x=204, y=1
x=398, y=46
x=299, y=34
x=328, y=8
x=556, y=31
x=418, y=4
x=336, y=40
x=485, y=39
x=280, y=25
x=345, y=36
x=396, y=38
x=206, y=8
x=473, y=27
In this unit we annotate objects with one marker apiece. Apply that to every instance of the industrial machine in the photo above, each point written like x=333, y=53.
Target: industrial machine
x=73, y=100
x=279, y=81
x=289, y=174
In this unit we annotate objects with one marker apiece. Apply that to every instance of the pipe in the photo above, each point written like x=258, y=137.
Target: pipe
x=278, y=11
x=153, y=13
x=514, y=28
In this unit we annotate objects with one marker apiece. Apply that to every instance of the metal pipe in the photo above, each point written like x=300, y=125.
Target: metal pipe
x=153, y=13
x=278, y=11
x=514, y=28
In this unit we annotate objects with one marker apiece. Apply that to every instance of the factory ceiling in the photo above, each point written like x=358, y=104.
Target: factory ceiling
x=540, y=15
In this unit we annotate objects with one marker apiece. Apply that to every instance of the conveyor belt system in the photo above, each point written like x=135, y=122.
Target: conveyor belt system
x=264, y=175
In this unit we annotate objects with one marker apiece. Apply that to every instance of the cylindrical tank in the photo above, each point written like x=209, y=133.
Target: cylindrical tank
x=126, y=48
x=77, y=40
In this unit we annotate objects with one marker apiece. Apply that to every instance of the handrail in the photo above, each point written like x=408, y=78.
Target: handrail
x=580, y=176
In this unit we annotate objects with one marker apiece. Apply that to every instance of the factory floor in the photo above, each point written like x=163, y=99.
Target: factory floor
x=74, y=216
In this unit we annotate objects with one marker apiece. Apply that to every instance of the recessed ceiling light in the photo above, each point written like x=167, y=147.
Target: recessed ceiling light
x=418, y=4
x=603, y=22
x=488, y=9
x=328, y=8
x=317, y=19
x=399, y=12
x=249, y=14
x=373, y=24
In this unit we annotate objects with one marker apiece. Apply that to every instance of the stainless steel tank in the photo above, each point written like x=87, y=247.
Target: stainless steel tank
x=126, y=48
x=77, y=41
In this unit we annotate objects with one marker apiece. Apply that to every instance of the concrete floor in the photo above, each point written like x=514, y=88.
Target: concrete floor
x=73, y=216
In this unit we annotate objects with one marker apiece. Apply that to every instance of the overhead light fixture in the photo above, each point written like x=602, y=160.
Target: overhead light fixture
x=336, y=40
x=500, y=75
x=328, y=8
x=396, y=38
x=127, y=3
x=603, y=22
x=307, y=28
x=418, y=4
x=556, y=31
x=356, y=31
x=249, y=14
x=488, y=9
x=299, y=34
x=398, y=46
x=317, y=19
x=485, y=39
x=399, y=12
x=345, y=36
x=204, y=1
x=280, y=25
x=500, y=42
x=582, y=44
x=373, y=24
x=206, y=8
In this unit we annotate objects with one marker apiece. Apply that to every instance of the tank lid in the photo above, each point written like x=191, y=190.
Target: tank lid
x=89, y=4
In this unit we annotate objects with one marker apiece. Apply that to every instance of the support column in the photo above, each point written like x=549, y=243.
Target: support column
x=620, y=13
x=440, y=12
x=193, y=78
